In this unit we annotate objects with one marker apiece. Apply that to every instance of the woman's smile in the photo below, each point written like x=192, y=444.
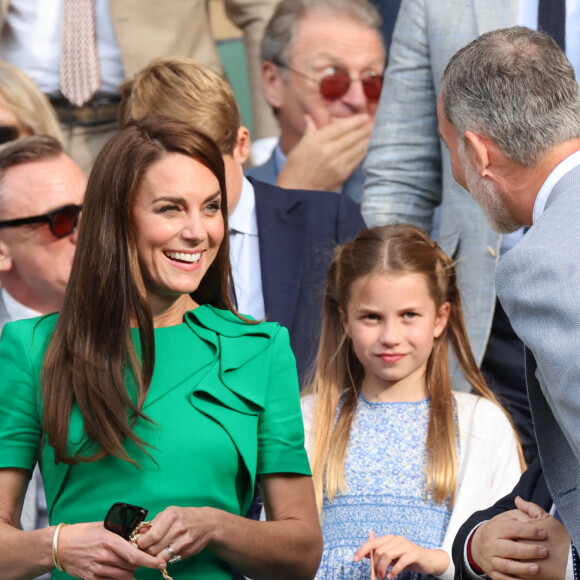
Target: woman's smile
x=181, y=257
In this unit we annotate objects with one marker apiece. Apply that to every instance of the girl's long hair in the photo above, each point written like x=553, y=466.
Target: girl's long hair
x=389, y=250
x=90, y=360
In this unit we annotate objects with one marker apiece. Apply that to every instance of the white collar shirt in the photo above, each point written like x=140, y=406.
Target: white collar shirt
x=245, y=254
x=16, y=310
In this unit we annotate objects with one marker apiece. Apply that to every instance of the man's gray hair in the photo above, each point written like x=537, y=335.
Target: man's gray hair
x=283, y=26
x=516, y=87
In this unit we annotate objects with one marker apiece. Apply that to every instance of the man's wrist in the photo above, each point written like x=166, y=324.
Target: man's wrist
x=472, y=568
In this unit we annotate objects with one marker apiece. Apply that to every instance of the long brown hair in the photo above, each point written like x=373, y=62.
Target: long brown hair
x=399, y=249
x=91, y=352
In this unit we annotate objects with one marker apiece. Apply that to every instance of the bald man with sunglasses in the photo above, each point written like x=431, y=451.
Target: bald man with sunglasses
x=41, y=192
x=322, y=73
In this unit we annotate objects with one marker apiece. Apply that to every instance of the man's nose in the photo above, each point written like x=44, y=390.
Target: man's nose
x=355, y=96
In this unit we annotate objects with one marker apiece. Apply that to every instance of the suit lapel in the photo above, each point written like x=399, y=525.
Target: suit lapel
x=282, y=250
x=493, y=14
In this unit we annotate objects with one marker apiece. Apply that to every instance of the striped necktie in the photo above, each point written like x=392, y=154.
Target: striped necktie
x=79, y=67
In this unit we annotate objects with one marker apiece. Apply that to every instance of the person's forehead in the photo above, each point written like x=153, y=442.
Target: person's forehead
x=33, y=188
x=336, y=37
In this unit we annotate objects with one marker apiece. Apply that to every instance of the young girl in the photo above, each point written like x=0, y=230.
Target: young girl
x=394, y=452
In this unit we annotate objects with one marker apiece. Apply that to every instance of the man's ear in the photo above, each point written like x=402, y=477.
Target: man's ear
x=478, y=151
x=5, y=257
x=273, y=84
x=241, y=150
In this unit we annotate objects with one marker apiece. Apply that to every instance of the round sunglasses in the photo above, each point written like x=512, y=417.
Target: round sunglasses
x=334, y=85
x=62, y=221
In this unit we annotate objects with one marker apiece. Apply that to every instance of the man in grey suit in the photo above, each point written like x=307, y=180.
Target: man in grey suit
x=408, y=174
x=509, y=112
x=41, y=192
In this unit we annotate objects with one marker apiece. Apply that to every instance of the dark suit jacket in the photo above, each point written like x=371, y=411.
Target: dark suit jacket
x=531, y=487
x=298, y=231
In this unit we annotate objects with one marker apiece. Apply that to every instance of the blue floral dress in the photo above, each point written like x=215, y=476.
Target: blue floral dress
x=385, y=489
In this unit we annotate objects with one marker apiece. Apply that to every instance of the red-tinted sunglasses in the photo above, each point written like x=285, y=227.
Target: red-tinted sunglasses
x=334, y=85
x=62, y=221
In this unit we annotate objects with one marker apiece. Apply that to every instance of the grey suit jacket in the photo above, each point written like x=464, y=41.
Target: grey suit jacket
x=538, y=284
x=408, y=171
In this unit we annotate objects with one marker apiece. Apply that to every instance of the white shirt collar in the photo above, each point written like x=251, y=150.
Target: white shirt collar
x=244, y=219
x=15, y=310
x=564, y=167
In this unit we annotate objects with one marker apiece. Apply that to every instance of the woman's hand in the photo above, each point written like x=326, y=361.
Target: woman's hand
x=91, y=552
x=401, y=554
x=187, y=530
x=287, y=546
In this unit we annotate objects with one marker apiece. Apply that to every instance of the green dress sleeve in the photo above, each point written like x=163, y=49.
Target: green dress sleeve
x=20, y=414
x=280, y=429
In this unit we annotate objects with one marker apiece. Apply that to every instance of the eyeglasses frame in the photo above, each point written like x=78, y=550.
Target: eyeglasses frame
x=373, y=75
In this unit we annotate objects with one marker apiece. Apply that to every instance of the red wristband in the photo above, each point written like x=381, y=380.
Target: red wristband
x=473, y=565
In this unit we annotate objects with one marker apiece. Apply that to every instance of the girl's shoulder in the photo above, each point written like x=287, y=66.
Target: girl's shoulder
x=476, y=412
x=466, y=400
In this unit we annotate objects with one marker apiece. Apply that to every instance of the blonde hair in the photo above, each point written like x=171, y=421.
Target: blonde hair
x=399, y=249
x=184, y=90
x=31, y=107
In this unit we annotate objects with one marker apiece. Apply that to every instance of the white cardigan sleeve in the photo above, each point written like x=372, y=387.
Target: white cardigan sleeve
x=489, y=465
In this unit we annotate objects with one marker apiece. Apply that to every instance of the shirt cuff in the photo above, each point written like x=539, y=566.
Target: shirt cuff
x=470, y=571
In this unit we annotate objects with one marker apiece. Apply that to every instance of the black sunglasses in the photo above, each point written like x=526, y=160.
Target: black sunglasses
x=334, y=85
x=123, y=518
x=8, y=133
x=62, y=221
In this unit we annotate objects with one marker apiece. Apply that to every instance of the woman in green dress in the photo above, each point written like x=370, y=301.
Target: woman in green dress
x=149, y=388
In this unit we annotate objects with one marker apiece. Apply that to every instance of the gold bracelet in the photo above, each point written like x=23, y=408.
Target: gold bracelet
x=57, y=564
x=136, y=534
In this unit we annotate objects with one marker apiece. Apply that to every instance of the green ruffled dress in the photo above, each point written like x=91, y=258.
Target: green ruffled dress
x=224, y=406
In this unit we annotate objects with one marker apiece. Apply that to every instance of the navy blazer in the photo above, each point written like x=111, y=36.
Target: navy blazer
x=298, y=232
x=531, y=487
